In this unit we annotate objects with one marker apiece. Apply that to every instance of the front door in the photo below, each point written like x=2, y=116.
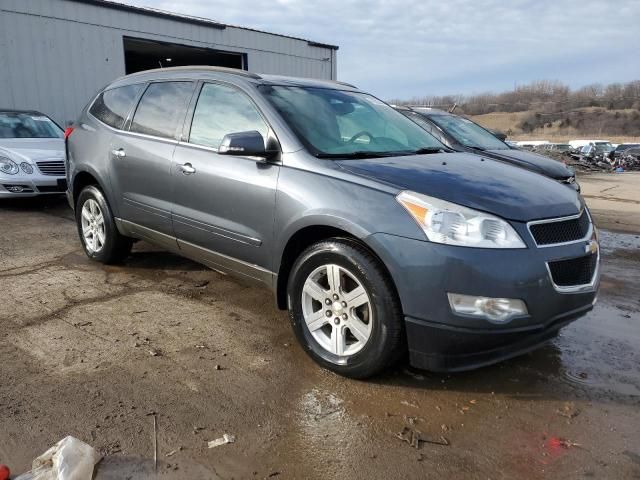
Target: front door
x=141, y=156
x=223, y=209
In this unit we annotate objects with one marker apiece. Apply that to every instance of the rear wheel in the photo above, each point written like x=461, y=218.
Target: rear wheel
x=99, y=235
x=344, y=310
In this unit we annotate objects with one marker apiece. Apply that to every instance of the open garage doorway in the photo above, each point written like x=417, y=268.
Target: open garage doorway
x=143, y=54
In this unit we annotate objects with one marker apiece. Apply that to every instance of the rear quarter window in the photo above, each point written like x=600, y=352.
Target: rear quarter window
x=162, y=109
x=112, y=106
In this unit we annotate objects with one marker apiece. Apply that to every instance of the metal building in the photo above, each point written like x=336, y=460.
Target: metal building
x=55, y=54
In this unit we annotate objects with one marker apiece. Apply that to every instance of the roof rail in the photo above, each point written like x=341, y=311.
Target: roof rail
x=344, y=83
x=209, y=68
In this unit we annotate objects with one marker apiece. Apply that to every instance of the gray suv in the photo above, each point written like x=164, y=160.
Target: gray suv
x=377, y=239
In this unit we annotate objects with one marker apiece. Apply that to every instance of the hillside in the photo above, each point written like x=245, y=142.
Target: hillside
x=618, y=126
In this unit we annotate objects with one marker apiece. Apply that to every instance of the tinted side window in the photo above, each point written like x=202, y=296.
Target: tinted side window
x=112, y=106
x=221, y=110
x=162, y=109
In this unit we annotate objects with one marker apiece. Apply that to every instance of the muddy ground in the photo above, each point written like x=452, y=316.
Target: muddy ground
x=95, y=351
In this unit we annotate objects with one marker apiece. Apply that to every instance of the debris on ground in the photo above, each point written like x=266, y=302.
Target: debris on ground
x=569, y=410
x=69, y=459
x=409, y=404
x=173, y=452
x=414, y=438
x=201, y=284
x=409, y=435
x=5, y=473
x=155, y=442
x=557, y=442
x=155, y=353
x=226, y=438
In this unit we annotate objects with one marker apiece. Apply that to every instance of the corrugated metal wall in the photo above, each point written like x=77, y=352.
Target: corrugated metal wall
x=55, y=54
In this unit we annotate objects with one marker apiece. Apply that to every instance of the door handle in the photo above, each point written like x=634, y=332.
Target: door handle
x=119, y=153
x=187, y=169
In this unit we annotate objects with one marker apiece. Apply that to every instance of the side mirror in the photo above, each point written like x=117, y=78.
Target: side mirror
x=249, y=144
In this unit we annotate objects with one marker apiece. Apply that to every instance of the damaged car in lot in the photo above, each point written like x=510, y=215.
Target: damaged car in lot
x=375, y=237
x=463, y=135
x=31, y=155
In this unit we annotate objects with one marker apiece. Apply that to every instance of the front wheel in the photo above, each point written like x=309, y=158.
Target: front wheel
x=99, y=235
x=344, y=309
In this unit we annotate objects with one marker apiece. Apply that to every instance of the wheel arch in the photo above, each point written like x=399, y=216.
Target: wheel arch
x=307, y=235
x=84, y=178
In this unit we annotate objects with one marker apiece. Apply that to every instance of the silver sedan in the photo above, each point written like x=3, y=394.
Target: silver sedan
x=31, y=155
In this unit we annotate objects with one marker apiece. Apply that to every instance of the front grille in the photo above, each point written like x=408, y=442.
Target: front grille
x=574, y=272
x=52, y=167
x=552, y=232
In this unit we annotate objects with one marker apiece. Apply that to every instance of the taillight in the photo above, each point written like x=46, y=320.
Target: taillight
x=68, y=131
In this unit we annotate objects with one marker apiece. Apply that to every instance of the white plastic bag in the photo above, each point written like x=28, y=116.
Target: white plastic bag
x=69, y=459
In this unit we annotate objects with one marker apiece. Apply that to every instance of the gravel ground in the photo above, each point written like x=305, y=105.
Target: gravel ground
x=96, y=352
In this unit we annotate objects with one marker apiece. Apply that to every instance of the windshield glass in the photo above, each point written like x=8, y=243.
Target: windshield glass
x=334, y=122
x=27, y=125
x=468, y=133
x=603, y=147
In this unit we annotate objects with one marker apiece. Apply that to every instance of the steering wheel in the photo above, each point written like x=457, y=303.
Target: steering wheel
x=358, y=135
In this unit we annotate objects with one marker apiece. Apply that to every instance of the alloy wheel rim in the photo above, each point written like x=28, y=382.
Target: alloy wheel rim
x=93, y=226
x=337, y=310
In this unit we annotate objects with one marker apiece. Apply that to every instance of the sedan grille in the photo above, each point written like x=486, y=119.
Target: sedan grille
x=574, y=272
x=561, y=231
x=52, y=167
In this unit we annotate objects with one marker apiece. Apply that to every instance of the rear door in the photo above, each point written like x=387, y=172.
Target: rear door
x=224, y=205
x=141, y=156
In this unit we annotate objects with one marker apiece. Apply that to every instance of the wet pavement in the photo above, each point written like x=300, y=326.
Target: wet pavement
x=96, y=352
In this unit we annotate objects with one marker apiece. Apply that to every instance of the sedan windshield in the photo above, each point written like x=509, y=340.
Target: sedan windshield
x=336, y=123
x=468, y=133
x=27, y=125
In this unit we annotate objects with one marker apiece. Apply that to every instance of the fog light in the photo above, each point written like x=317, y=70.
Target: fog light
x=493, y=309
x=15, y=188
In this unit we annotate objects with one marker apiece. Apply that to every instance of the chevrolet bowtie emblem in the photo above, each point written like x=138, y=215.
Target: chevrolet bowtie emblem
x=591, y=247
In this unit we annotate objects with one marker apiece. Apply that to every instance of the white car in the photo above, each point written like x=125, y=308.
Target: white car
x=32, y=155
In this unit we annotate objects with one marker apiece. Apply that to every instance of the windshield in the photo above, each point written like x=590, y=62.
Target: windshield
x=625, y=146
x=27, y=125
x=603, y=147
x=468, y=133
x=334, y=122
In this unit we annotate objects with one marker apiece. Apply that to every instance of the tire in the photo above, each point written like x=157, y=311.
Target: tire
x=112, y=246
x=356, y=341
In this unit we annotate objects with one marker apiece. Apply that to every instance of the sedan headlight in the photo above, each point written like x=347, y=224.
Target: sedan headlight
x=8, y=166
x=452, y=224
x=26, y=168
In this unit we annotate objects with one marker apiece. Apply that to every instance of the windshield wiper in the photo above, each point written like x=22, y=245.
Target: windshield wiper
x=480, y=149
x=354, y=155
x=428, y=150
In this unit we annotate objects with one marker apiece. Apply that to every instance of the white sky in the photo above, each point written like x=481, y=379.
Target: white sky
x=432, y=47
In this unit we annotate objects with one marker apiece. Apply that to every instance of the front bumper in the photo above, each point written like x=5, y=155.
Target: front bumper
x=32, y=185
x=440, y=340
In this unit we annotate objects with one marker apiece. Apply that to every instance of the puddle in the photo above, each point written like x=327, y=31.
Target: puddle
x=135, y=468
x=610, y=242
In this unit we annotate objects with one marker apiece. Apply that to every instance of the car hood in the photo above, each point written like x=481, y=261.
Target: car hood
x=533, y=161
x=32, y=149
x=487, y=185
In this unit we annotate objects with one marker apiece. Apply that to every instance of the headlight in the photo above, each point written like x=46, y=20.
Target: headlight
x=8, y=166
x=452, y=224
x=26, y=168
